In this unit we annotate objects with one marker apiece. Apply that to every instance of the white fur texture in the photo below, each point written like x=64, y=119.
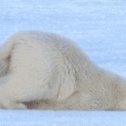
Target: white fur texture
x=45, y=71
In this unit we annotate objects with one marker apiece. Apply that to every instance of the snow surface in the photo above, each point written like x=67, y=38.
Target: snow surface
x=97, y=26
x=62, y=118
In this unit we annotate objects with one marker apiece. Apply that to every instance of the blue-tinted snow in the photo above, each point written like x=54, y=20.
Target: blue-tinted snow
x=61, y=118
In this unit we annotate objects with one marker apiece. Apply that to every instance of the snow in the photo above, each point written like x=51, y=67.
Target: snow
x=97, y=26
x=62, y=118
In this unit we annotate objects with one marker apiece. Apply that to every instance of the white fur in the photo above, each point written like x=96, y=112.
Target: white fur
x=45, y=71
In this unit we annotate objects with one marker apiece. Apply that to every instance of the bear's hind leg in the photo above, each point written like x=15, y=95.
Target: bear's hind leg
x=17, y=90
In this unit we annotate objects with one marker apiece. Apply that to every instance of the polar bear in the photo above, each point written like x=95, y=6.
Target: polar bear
x=40, y=70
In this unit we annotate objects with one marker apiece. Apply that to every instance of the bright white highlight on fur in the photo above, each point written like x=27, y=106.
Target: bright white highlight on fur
x=45, y=71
